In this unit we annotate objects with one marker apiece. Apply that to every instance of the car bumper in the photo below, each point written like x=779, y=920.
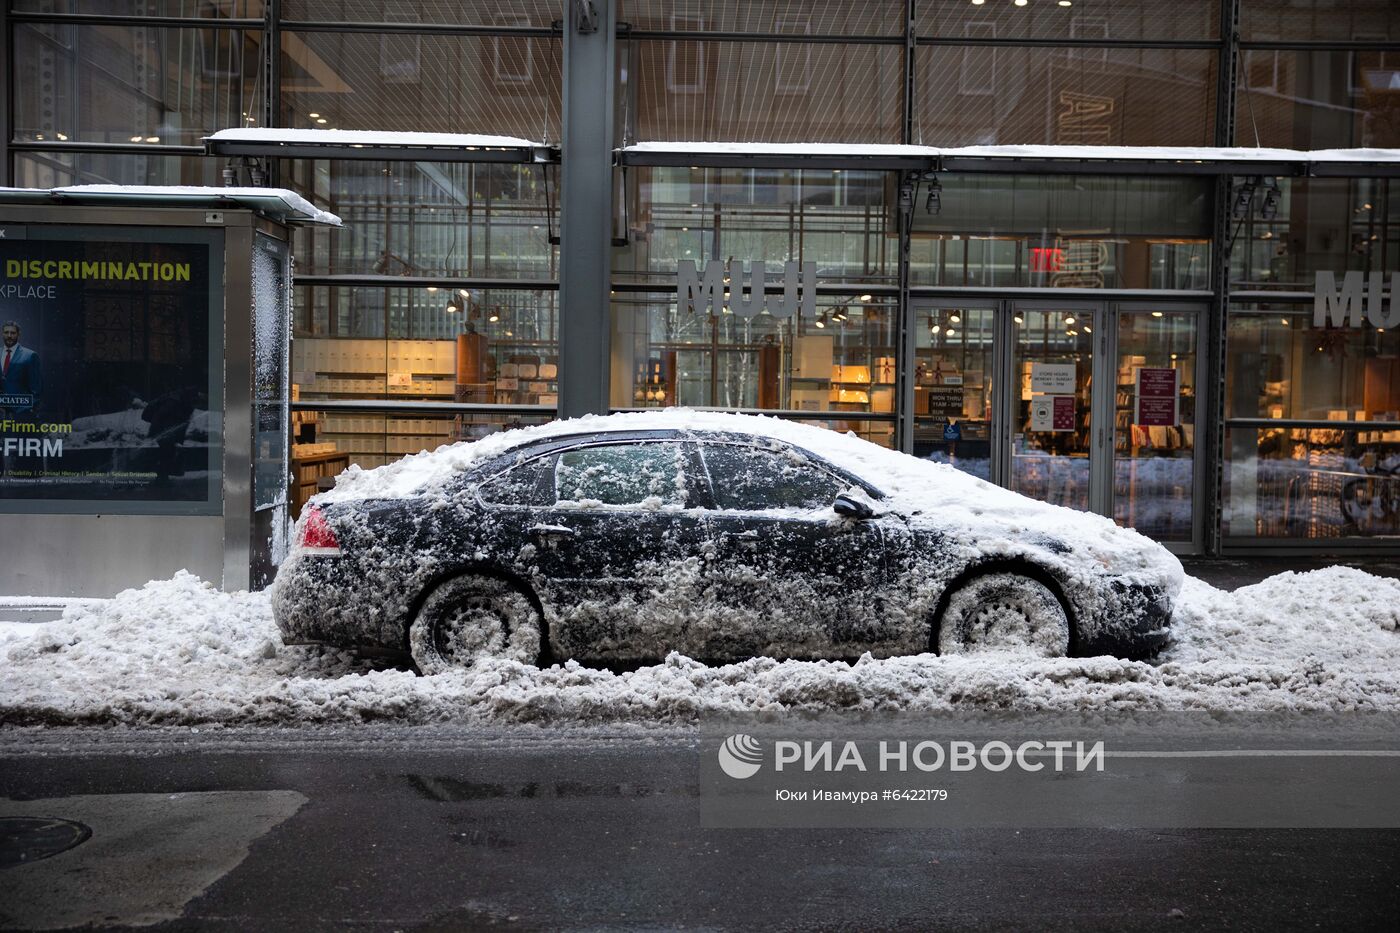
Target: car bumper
x=1134, y=623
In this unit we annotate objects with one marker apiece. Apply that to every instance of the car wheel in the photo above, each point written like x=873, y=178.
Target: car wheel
x=1004, y=612
x=472, y=618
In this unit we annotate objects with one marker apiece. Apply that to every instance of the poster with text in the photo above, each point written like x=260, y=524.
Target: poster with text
x=109, y=371
x=1158, y=397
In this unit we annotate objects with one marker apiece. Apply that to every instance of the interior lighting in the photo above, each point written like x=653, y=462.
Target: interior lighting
x=1066, y=3
x=821, y=321
x=1069, y=318
x=1019, y=320
x=313, y=115
x=955, y=319
x=495, y=314
x=934, y=330
x=1284, y=321
x=152, y=139
x=1022, y=2
x=865, y=298
x=1156, y=313
x=321, y=120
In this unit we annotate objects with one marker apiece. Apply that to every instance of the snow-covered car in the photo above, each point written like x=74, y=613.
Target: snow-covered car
x=620, y=539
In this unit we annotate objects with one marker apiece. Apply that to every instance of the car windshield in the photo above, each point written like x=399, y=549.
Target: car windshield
x=752, y=479
x=622, y=474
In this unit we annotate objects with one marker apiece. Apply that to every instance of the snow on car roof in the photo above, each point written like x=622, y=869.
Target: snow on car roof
x=991, y=519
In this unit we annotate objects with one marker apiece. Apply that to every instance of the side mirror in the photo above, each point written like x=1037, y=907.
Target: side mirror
x=848, y=506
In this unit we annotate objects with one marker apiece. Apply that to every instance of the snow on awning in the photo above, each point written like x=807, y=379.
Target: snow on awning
x=1159, y=160
x=375, y=144
x=276, y=203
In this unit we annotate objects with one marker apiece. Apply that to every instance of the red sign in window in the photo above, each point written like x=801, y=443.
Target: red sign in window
x=1047, y=259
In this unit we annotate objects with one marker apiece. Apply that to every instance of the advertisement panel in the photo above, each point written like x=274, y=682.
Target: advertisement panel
x=110, y=370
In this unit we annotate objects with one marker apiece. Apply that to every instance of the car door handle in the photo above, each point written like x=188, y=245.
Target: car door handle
x=749, y=538
x=552, y=532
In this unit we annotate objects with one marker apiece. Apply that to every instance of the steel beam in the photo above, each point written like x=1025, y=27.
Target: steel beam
x=585, y=207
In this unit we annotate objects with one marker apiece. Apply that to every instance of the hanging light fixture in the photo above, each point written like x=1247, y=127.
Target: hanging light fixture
x=820, y=322
x=454, y=304
x=495, y=314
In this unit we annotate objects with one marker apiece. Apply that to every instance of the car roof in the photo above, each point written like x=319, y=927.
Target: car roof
x=543, y=446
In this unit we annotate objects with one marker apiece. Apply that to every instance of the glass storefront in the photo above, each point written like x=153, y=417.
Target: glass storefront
x=1046, y=332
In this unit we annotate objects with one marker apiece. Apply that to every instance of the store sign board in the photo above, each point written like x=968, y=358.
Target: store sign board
x=728, y=286
x=110, y=402
x=945, y=403
x=1052, y=378
x=1360, y=293
x=1158, y=399
x=1052, y=413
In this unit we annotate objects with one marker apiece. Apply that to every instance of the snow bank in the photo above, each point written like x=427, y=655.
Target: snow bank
x=179, y=652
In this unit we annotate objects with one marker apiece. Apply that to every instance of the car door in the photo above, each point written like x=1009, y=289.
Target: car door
x=617, y=550
x=791, y=577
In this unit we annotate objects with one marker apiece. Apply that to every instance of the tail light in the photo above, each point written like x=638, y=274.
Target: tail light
x=316, y=534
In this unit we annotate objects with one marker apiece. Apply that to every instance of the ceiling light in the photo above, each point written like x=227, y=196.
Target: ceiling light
x=1156, y=313
x=454, y=304
x=865, y=297
x=978, y=2
x=152, y=139
x=1088, y=329
x=1285, y=322
x=821, y=321
x=1018, y=319
x=934, y=330
x=313, y=115
x=321, y=120
x=464, y=293
x=1072, y=333
x=495, y=314
x=432, y=288
x=952, y=333
x=1066, y=3
x=955, y=319
x=1069, y=318
x=136, y=139
x=1021, y=2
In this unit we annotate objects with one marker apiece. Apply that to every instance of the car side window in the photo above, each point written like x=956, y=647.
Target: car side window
x=751, y=479
x=646, y=475
x=524, y=484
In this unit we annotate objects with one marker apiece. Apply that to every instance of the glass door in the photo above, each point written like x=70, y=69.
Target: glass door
x=1052, y=409
x=1156, y=397
x=954, y=370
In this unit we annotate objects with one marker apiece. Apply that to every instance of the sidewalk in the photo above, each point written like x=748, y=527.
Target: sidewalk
x=1231, y=573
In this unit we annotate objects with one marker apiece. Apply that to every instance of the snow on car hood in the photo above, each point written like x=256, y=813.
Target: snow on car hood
x=981, y=517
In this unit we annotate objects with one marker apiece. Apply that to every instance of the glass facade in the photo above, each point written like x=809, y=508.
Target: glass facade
x=1050, y=332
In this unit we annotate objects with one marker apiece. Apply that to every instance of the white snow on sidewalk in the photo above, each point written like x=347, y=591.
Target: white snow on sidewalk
x=178, y=652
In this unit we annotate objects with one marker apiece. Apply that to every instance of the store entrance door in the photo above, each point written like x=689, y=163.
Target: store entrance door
x=1085, y=404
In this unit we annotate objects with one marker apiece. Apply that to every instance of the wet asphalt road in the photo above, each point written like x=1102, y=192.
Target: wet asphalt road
x=402, y=829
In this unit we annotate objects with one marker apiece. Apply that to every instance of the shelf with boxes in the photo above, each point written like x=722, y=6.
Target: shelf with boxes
x=324, y=366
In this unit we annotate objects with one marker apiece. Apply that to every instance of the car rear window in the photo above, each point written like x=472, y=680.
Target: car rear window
x=622, y=474
x=750, y=479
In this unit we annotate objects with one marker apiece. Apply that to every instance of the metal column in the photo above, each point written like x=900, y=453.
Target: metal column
x=6, y=105
x=585, y=207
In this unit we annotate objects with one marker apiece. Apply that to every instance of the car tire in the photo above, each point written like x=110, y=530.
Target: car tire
x=472, y=618
x=1003, y=612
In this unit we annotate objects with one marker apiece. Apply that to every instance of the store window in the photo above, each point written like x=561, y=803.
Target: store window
x=428, y=218
x=851, y=18
x=1085, y=20
x=1318, y=19
x=1328, y=462
x=990, y=95
x=1308, y=225
x=60, y=168
x=536, y=13
x=502, y=85
x=1067, y=231
x=184, y=9
x=687, y=89
x=1319, y=99
x=133, y=84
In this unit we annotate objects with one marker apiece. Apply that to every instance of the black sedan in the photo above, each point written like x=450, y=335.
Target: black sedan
x=719, y=537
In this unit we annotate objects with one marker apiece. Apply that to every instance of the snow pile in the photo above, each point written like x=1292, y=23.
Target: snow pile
x=180, y=652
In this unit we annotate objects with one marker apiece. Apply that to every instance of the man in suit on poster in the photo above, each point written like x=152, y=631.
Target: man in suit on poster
x=19, y=370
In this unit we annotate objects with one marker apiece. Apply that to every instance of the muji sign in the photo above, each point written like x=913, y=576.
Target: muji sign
x=1343, y=307
x=745, y=295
